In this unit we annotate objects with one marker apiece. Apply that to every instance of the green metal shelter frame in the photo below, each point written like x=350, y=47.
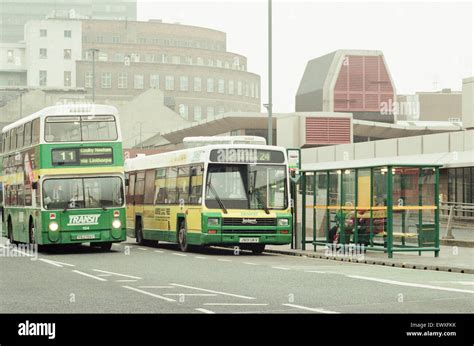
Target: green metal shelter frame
x=390, y=208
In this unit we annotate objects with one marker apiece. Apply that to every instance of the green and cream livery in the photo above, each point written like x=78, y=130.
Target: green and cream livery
x=63, y=177
x=227, y=195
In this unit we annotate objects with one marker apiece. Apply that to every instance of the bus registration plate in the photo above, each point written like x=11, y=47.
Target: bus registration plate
x=85, y=236
x=249, y=240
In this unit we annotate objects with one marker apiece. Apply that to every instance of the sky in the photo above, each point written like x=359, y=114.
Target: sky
x=427, y=45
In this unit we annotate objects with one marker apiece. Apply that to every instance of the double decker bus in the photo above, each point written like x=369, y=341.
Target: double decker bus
x=63, y=179
x=226, y=195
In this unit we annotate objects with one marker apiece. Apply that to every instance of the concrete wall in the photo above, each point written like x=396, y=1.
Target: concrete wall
x=288, y=131
x=468, y=102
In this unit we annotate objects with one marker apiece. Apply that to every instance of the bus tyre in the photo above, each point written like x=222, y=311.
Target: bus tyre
x=257, y=249
x=139, y=233
x=182, y=241
x=105, y=246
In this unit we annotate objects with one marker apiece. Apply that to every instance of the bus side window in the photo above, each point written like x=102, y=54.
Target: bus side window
x=160, y=186
x=149, y=186
x=27, y=141
x=171, y=192
x=183, y=184
x=131, y=189
x=140, y=188
x=35, y=132
x=196, y=184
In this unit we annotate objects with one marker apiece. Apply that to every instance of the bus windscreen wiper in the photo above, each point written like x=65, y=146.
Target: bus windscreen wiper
x=214, y=192
x=264, y=206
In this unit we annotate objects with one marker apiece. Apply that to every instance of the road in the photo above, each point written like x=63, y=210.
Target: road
x=160, y=279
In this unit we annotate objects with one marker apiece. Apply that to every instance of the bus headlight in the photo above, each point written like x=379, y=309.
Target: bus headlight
x=283, y=222
x=53, y=226
x=213, y=221
x=116, y=223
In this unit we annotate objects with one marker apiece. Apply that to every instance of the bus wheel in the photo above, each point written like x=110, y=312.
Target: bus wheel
x=139, y=233
x=257, y=249
x=182, y=241
x=105, y=246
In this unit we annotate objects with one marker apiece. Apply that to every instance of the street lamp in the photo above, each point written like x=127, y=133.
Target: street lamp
x=269, y=105
x=93, y=50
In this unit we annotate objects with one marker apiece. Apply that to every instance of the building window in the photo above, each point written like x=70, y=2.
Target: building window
x=169, y=83
x=210, y=111
x=67, y=78
x=142, y=40
x=239, y=88
x=221, y=86
x=197, y=84
x=99, y=39
x=88, y=80
x=67, y=34
x=252, y=90
x=43, y=32
x=67, y=54
x=155, y=81
x=246, y=89
x=210, y=62
x=10, y=56
x=226, y=64
x=183, y=83
x=219, y=63
x=221, y=110
x=231, y=87
x=197, y=113
x=103, y=56
x=176, y=59
x=183, y=111
x=135, y=57
x=43, y=78
x=43, y=54
x=199, y=61
x=122, y=80
x=256, y=91
x=115, y=39
x=210, y=85
x=106, y=81
x=138, y=81
x=120, y=57
x=188, y=60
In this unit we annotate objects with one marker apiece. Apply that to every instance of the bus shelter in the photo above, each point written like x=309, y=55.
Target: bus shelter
x=389, y=207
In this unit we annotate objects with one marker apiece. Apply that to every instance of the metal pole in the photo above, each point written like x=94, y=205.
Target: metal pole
x=270, y=105
x=93, y=75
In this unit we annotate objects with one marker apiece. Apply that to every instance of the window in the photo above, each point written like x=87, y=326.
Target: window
x=188, y=60
x=182, y=184
x=103, y=56
x=67, y=34
x=43, y=78
x=122, y=80
x=80, y=128
x=210, y=62
x=142, y=40
x=256, y=91
x=210, y=111
x=149, y=186
x=43, y=53
x=135, y=57
x=27, y=141
x=196, y=184
x=155, y=81
x=197, y=84
x=19, y=136
x=169, y=85
x=231, y=87
x=239, y=88
x=43, y=32
x=226, y=64
x=221, y=86
x=138, y=81
x=106, y=81
x=176, y=59
x=183, y=83
x=183, y=111
x=35, y=132
x=160, y=184
x=10, y=56
x=88, y=79
x=199, y=61
x=210, y=85
x=67, y=78
x=67, y=54
x=246, y=89
x=197, y=113
x=221, y=110
x=171, y=174
x=99, y=39
x=219, y=63
x=115, y=39
x=252, y=90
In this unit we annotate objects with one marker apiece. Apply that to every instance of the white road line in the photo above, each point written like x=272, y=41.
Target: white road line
x=251, y=263
x=142, y=248
x=467, y=283
x=205, y=311
x=179, y=254
x=224, y=260
x=158, y=251
x=211, y=291
x=320, y=310
x=56, y=262
x=89, y=275
x=191, y=294
x=400, y=283
x=314, y=271
x=156, y=287
x=126, y=280
x=236, y=304
x=50, y=262
x=149, y=294
x=112, y=273
x=104, y=274
x=281, y=268
x=200, y=257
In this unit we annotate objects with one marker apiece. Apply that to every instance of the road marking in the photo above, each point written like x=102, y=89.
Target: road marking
x=314, y=271
x=112, y=273
x=400, y=283
x=236, y=304
x=156, y=287
x=320, y=310
x=142, y=248
x=281, y=268
x=191, y=294
x=126, y=280
x=104, y=274
x=211, y=291
x=50, y=262
x=251, y=263
x=158, y=251
x=179, y=254
x=205, y=311
x=200, y=257
x=89, y=275
x=56, y=263
x=224, y=260
x=149, y=294
x=467, y=283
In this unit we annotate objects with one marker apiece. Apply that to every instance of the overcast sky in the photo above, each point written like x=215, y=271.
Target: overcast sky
x=427, y=45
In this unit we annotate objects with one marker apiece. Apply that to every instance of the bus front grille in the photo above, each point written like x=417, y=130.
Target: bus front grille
x=248, y=221
x=248, y=231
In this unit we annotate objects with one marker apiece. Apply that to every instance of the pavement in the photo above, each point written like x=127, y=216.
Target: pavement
x=159, y=279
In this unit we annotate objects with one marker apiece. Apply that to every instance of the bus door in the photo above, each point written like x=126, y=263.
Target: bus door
x=130, y=201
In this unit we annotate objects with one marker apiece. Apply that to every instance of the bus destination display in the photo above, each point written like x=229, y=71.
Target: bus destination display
x=82, y=156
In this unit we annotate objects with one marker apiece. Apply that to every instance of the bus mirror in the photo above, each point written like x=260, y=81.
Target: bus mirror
x=127, y=181
x=193, y=172
x=34, y=185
